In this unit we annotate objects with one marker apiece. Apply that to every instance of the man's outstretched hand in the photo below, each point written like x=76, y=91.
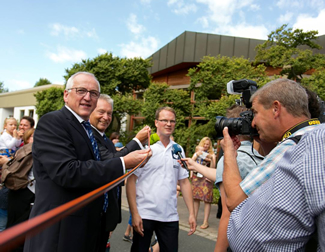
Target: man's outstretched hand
x=132, y=159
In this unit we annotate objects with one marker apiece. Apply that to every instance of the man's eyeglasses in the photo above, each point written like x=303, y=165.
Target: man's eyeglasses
x=83, y=91
x=167, y=121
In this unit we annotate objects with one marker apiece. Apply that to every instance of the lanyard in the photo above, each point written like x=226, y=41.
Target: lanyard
x=299, y=126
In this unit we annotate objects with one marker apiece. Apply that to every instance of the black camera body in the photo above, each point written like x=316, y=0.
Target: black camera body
x=243, y=124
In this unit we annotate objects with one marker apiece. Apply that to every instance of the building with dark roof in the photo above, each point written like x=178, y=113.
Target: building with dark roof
x=170, y=63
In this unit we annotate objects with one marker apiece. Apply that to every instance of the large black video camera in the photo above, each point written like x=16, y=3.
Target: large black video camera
x=243, y=124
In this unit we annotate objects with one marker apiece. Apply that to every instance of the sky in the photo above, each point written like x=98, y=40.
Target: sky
x=42, y=38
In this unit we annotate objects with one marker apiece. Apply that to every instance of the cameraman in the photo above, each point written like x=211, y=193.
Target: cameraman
x=280, y=211
x=247, y=158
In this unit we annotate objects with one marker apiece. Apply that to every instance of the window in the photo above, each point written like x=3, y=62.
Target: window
x=22, y=113
x=31, y=113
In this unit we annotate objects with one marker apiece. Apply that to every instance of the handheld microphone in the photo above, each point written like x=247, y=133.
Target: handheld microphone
x=177, y=154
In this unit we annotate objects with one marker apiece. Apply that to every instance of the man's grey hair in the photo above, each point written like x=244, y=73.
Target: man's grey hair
x=70, y=81
x=289, y=93
x=107, y=98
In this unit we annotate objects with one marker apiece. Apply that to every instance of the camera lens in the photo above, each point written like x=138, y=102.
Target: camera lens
x=234, y=125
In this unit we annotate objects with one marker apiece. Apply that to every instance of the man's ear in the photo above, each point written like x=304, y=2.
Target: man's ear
x=65, y=95
x=276, y=108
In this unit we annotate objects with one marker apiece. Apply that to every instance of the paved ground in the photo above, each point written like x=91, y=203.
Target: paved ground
x=203, y=240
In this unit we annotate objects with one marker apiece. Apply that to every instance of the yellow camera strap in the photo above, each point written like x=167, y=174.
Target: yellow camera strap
x=299, y=126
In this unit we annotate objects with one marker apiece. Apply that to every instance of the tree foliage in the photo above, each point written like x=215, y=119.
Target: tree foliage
x=115, y=74
x=316, y=82
x=290, y=50
x=2, y=88
x=118, y=77
x=41, y=82
x=210, y=77
x=49, y=100
x=160, y=95
x=209, y=82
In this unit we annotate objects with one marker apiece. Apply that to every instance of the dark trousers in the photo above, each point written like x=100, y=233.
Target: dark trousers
x=103, y=236
x=167, y=235
x=19, y=208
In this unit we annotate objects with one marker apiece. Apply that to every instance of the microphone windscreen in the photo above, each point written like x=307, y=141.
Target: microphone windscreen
x=176, y=149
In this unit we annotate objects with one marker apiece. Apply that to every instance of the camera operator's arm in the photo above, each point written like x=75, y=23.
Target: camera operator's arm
x=231, y=177
x=207, y=172
x=213, y=161
x=194, y=157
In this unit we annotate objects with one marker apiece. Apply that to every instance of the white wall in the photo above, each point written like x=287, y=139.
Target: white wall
x=4, y=113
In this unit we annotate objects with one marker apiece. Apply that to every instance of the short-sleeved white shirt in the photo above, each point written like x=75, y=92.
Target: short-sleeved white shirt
x=156, y=185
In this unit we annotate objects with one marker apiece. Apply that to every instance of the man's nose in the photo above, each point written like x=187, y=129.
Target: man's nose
x=105, y=116
x=253, y=122
x=87, y=96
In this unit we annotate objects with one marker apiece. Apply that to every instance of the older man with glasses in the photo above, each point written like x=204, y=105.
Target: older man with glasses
x=67, y=165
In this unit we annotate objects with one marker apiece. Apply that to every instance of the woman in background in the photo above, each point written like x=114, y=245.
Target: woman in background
x=202, y=187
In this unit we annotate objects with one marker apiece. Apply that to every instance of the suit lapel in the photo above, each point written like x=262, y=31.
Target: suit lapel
x=78, y=127
x=108, y=144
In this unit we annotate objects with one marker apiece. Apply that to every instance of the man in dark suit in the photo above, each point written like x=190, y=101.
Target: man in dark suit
x=100, y=119
x=65, y=168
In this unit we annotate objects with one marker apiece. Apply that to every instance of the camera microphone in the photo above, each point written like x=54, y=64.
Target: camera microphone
x=177, y=151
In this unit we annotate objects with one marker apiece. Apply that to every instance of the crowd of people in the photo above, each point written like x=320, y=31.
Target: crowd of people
x=272, y=197
x=16, y=144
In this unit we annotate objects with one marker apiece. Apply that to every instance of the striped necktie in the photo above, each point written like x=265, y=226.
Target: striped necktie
x=92, y=139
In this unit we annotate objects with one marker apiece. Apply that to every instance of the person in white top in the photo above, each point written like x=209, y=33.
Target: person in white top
x=152, y=191
x=10, y=139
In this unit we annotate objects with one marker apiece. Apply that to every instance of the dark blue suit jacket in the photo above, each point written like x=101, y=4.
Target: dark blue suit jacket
x=65, y=168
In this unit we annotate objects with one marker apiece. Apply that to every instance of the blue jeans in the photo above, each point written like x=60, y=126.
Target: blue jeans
x=130, y=220
x=3, y=219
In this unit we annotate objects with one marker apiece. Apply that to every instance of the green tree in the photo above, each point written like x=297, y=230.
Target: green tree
x=115, y=74
x=209, y=78
x=49, y=100
x=209, y=82
x=41, y=82
x=290, y=50
x=2, y=88
x=123, y=105
x=316, y=82
x=160, y=95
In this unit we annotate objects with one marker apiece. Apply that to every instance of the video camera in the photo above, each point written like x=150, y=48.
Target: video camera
x=241, y=125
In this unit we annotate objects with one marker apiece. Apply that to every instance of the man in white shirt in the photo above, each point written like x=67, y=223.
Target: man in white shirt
x=151, y=191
